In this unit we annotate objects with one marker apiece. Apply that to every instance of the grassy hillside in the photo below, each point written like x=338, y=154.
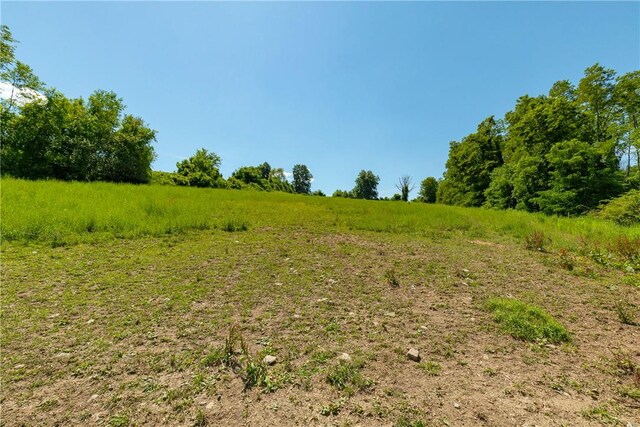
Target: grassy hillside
x=62, y=213
x=131, y=305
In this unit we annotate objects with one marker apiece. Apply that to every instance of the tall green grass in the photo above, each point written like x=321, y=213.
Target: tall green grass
x=72, y=212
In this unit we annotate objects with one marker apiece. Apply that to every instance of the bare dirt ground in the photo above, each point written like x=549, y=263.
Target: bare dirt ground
x=118, y=333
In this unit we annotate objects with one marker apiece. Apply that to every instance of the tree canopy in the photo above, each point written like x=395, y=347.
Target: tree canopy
x=559, y=153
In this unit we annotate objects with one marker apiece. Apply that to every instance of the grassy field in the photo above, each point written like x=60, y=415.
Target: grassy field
x=147, y=305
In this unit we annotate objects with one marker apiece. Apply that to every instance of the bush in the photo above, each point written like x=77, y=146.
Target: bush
x=624, y=210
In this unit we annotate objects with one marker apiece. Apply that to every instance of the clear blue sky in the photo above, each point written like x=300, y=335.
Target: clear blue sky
x=339, y=87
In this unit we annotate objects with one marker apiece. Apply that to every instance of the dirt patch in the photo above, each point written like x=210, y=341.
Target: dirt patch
x=117, y=333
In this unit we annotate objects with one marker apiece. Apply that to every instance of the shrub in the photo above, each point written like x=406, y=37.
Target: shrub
x=624, y=210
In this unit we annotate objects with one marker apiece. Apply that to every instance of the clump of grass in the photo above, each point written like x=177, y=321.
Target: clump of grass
x=406, y=421
x=201, y=419
x=625, y=313
x=526, y=322
x=235, y=354
x=332, y=408
x=537, y=241
x=431, y=368
x=600, y=413
x=119, y=421
x=347, y=376
x=390, y=277
x=233, y=224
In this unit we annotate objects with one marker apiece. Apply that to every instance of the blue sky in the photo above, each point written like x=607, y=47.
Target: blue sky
x=340, y=87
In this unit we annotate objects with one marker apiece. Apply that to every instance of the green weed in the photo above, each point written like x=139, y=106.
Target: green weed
x=346, y=376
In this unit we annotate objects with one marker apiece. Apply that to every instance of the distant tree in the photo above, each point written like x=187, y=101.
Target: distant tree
x=265, y=170
x=428, y=190
x=71, y=139
x=318, y=193
x=302, y=179
x=366, y=186
x=405, y=186
x=396, y=198
x=342, y=193
x=201, y=169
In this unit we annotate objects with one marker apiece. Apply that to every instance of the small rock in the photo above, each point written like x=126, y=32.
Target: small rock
x=352, y=314
x=297, y=316
x=278, y=284
x=20, y=366
x=344, y=357
x=631, y=425
x=413, y=354
x=465, y=270
x=93, y=397
x=390, y=314
x=90, y=321
x=323, y=299
x=269, y=360
x=423, y=327
x=63, y=355
x=485, y=356
x=210, y=405
x=456, y=405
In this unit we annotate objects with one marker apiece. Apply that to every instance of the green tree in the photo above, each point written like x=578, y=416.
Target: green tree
x=202, y=169
x=470, y=165
x=366, y=186
x=71, y=139
x=25, y=85
x=302, y=179
x=428, y=190
x=582, y=175
x=595, y=94
x=627, y=98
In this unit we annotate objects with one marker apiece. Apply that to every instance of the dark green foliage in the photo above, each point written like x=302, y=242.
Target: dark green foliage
x=562, y=152
x=262, y=178
x=470, y=165
x=302, y=179
x=428, y=190
x=71, y=139
x=343, y=193
x=526, y=322
x=366, y=186
x=581, y=175
x=201, y=170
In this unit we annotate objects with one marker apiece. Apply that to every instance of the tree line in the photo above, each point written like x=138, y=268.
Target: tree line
x=563, y=153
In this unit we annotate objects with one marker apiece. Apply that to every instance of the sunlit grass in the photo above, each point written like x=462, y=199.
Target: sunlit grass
x=62, y=213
